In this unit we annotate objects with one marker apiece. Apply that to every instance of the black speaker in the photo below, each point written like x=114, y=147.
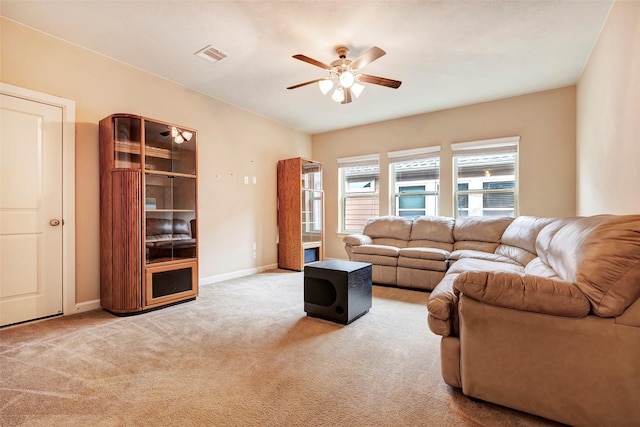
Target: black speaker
x=336, y=290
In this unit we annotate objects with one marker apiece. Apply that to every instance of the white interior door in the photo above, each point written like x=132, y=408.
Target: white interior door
x=30, y=210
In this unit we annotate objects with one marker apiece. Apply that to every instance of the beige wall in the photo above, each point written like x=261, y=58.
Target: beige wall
x=232, y=143
x=608, y=118
x=235, y=143
x=545, y=122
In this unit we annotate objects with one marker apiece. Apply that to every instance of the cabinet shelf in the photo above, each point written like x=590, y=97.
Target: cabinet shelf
x=171, y=210
x=134, y=148
x=169, y=174
x=168, y=261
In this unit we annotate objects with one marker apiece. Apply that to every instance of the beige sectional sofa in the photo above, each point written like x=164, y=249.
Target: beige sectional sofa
x=403, y=251
x=536, y=314
x=416, y=253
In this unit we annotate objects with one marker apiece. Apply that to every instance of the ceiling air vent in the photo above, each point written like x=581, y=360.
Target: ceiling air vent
x=211, y=54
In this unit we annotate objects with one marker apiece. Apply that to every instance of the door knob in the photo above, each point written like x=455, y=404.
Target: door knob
x=54, y=222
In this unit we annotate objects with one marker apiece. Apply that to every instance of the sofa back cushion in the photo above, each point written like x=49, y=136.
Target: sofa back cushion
x=538, y=268
x=166, y=229
x=518, y=241
x=432, y=232
x=479, y=233
x=389, y=230
x=543, y=241
x=181, y=229
x=601, y=255
x=157, y=228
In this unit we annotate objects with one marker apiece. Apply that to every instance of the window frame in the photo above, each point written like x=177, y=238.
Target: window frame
x=343, y=194
x=404, y=156
x=486, y=147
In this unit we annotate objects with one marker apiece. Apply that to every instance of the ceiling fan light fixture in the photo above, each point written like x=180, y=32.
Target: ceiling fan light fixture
x=186, y=135
x=347, y=79
x=325, y=86
x=344, y=76
x=179, y=136
x=356, y=89
x=338, y=95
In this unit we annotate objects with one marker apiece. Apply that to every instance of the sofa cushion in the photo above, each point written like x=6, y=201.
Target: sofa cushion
x=487, y=256
x=389, y=227
x=475, y=264
x=523, y=232
x=377, y=262
x=601, y=254
x=524, y=292
x=159, y=226
x=422, y=264
x=385, y=241
x=518, y=241
x=480, y=229
x=158, y=229
x=546, y=235
x=472, y=245
x=515, y=254
x=180, y=226
x=432, y=232
x=159, y=238
x=381, y=250
x=425, y=253
x=538, y=268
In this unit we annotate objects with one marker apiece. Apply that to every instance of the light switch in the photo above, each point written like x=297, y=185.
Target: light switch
x=254, y=180
x=246, y=179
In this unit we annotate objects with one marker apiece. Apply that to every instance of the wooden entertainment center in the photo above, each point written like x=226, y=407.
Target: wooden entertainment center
x=148, y=214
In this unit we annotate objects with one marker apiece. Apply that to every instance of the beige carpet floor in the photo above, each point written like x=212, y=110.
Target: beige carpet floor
x=243, y=354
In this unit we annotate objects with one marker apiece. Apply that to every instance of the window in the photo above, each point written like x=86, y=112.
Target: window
x=415, y=180
x=359, y=198
x=485, y=177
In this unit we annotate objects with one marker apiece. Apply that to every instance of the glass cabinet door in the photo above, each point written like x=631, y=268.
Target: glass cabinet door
x=311, y=216
x=311, y=175
x=169, y=148
x=170, y=217
x=127, y=142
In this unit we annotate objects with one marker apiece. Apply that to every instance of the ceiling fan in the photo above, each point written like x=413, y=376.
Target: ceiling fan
x=344, y=74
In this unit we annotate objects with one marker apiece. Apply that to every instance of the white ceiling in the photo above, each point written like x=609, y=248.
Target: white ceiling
x=447, y=53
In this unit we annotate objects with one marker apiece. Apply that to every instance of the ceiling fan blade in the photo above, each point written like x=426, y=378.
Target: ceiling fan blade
x=367, y=57
x=347, y=96
x=304, y=84
x=312, y=61
x=395, y=84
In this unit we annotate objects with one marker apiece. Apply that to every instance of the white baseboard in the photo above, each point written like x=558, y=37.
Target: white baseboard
x=85, y=306
x=95, y=304
x=236, y=274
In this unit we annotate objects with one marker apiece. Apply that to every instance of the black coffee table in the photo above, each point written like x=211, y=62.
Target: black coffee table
x=336, y=290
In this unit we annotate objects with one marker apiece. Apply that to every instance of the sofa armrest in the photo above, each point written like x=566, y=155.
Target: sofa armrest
x=357, y=240
x=524, y=292
x=443, y=308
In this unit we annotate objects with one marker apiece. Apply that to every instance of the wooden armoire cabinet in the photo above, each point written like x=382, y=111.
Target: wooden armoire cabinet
x=148, y=214
x=300, y=213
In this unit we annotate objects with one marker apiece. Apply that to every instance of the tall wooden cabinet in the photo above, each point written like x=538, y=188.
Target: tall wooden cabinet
x=300, y=213
x=148, y=215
